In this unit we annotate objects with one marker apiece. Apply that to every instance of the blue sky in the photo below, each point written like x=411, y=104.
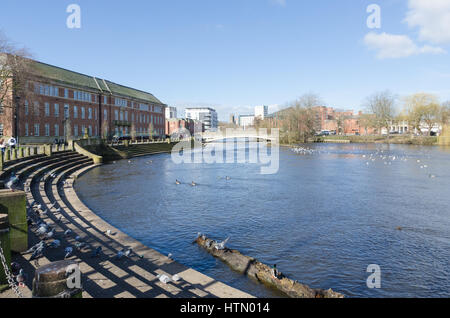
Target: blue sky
x=236, y=54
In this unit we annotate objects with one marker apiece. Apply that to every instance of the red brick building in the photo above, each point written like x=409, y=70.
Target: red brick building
x=181, y=126
x=62, y=104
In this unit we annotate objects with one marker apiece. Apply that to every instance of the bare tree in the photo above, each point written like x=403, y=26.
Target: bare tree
x=422, y=108
x=382, y=106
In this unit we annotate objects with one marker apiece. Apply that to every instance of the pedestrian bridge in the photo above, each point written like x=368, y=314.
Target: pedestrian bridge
x=261, y=134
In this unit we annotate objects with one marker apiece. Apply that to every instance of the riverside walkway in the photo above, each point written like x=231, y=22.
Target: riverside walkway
x=49, y=181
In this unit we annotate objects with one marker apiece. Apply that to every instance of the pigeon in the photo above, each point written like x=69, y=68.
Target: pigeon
x=79, y=239
x=12, y=181
x=50, y=234
x=68, y=232
x=35, y=247
x=55, y=244
x=119, y=255
x=221, y=246
x=21, y=278
x=175, y=278
x=128, y=252
x=96, y=252
x=38, y=252
x=80, y=245
x=68, y=252
x=42, y=230
x=15, y=268
x=58, y=210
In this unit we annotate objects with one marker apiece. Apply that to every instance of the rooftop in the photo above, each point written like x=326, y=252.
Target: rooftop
x=62, y=75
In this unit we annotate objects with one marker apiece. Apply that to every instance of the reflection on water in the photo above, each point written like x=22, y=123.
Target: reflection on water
x=323, y=218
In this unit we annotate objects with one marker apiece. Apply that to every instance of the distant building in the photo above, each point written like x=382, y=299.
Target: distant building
x=171, y=112
x=232, y=119
x=207, y=116
x=261, y=112
x=246, y=121
x=183, y=128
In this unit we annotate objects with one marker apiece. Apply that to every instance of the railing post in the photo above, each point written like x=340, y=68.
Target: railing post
x=58, y=280
x=14, y=154
x=5, y=243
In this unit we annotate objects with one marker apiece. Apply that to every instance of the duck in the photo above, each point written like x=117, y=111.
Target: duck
x=178, y=182
x=193, y=184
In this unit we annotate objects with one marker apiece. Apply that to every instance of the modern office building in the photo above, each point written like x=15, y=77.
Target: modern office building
x=61, y=104
x=207, y=116
x=171, y=112
x=246, y=121
x=261, y=112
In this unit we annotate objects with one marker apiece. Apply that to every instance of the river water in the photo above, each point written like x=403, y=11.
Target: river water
x=326, y=215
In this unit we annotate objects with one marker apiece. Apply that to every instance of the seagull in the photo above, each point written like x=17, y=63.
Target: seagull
x=228, y=178
x=42, y=230
x=175, y=278
x=169, y=256
x=164, y=278
x=68, y=251
x=221, y=246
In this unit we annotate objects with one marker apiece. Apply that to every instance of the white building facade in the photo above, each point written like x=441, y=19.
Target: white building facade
x=207, y=116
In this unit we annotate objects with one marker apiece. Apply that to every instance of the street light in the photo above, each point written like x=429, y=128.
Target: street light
x=16, y=119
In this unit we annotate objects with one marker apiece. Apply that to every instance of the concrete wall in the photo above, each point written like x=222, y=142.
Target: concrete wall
x=14, y=204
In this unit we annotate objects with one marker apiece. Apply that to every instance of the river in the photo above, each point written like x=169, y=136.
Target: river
x=326, y=215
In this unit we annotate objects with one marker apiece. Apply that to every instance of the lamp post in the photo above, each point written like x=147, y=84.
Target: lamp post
x=16, y=119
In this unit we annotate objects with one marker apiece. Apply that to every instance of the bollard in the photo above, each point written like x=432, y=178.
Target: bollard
x=58, y=280
x=5, y=244
x=27, y=152
x=7, y=155
x=34, y=151
x=21, y=153
x=48, y=150
x=1, y=161
x=14, y=204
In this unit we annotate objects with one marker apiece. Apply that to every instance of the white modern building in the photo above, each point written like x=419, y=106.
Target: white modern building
x=262, y=112
x=207, y=116
x=246, y=121
x=171, y=112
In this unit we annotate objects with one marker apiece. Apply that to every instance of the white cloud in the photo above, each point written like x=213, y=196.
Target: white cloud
x=397, y=46
x=432, y=17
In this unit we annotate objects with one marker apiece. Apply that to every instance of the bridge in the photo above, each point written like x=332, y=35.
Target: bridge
x=261, y=134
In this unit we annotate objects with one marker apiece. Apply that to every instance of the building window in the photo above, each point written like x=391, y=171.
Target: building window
x=1, y=129
x=105, y=114
x=126, y=116
x=56, y=110
x=66, y=93
x=132, y=117
x=66, y=111
x=90, y=131
x=36, y=130
x=83, y=113
x=26, y=108
x=47, y=130
x=75, y=130
x=1, y=108
x=89, y=113
x=95, y=114
x=75, y=112
x=56, y=130
x=121, y=115
x=26, y=130
x=105, y=100
x=116, y=115
x=47, y=109
x=83, y=130
x=36, y=108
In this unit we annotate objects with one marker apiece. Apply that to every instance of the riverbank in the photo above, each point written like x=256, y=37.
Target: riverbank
x=106, y=276
x=397, y=139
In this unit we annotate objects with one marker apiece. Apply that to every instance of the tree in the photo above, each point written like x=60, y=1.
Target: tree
x=422, y=108
x=382, y=106
x=444, y=115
